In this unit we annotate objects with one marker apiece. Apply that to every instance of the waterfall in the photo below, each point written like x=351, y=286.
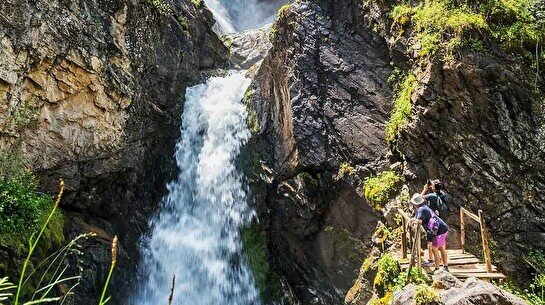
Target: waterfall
x=240, y=15
x=195, y=234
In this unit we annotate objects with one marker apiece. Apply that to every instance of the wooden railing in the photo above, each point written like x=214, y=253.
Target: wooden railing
x=417, y=243
x=478, y=218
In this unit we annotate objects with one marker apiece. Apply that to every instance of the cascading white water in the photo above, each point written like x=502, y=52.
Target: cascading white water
x=195, y=235
x=240, y=15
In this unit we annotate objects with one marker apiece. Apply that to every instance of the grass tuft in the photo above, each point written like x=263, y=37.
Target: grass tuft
x=380, y=188
x=402, y=108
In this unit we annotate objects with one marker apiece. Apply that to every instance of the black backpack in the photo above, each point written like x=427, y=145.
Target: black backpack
x=442, y=204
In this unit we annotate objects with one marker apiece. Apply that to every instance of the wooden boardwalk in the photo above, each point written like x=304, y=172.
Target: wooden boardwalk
x=461, y=264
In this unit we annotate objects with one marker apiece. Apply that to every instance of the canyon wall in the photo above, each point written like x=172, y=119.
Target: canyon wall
x=92, y=92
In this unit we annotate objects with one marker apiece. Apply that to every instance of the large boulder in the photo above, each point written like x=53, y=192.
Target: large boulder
x=471, y=292
x=477, y=292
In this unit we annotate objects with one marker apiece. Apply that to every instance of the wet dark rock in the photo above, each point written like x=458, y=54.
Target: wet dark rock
x=320, y=98
x=107, y=80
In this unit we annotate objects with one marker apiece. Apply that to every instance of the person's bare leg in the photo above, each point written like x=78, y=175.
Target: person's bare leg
x=436, y=256
x=444, y=255
x=430, y=251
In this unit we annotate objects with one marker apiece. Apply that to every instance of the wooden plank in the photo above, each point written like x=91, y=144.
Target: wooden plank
x=471, y=215
x=462, y=230
x=404, y=238
x=486, y=249
x=487, y=275
x=452, y=256
x=461, y=261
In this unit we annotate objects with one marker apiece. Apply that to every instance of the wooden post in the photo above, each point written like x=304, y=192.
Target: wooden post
x=417, y=240
x=462, y=230
x=486, y=249
x=404, y=238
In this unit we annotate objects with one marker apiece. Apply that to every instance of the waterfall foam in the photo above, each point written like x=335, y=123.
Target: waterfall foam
x=195, y=234
x=241, y=15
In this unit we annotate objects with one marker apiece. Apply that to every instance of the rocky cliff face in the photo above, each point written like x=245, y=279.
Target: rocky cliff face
x=92, y=92
x=477, y=123
x=319, y=99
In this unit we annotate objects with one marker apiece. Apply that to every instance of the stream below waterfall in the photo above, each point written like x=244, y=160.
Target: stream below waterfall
x=195, y=234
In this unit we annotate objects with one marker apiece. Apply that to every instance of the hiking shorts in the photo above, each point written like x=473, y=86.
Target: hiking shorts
x=439, y=240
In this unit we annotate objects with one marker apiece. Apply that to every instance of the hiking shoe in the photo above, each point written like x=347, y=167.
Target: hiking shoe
x=428, y=263
x=446, y=268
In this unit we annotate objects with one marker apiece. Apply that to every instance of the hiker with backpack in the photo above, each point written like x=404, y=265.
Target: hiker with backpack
x=436, y=197
x=436, y=231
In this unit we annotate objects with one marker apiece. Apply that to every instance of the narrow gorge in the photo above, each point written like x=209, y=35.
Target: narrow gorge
x=260, y=151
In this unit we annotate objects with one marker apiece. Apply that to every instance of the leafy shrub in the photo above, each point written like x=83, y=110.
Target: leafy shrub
x=345, y=169
x=402, y=108
x=197, y=3
x=385, y=300
x=443, y=25
x=438, y=24
x=418, y=276
x=517, y=24
x=380, y=188
x=425, y=295
x=21, y=208
x=184, y=23
x=387, y=272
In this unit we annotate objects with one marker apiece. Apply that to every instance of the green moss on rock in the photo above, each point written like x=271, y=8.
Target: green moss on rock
x=380, y=188
x=254, y=243
x=402, y=108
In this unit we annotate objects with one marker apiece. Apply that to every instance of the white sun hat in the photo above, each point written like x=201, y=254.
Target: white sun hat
x=417, y=199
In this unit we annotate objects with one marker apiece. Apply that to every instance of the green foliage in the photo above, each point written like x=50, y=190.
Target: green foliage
x=252, y=123
x=382, y=232
x=184, y=23
x=161, y=6
x=387, y=272
x=380, y=188
x=402, y=108
x=283, y=9
x=418, y=276
x=22, y=210
x=534, y=293
x=444, y=25
x=425, y=295
x=438, y=24
x=517, y=24
x=536, y=259
x=345, y=169
x=12, y=162
x=308, y=179
x=249, y=94
x=254, y=244
x=197, y=3
x=384, y=300
x=5, y=289
x=274, y=33
x=21, y=115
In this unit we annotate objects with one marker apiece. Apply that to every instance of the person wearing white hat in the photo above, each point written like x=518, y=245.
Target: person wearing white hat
x=436, y=230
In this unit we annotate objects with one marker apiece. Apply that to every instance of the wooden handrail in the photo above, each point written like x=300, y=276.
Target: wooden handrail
x=406, y=231
x=484, y=236
x=468, y=213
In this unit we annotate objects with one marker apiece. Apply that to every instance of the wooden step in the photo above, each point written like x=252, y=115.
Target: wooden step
x=481, y=275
